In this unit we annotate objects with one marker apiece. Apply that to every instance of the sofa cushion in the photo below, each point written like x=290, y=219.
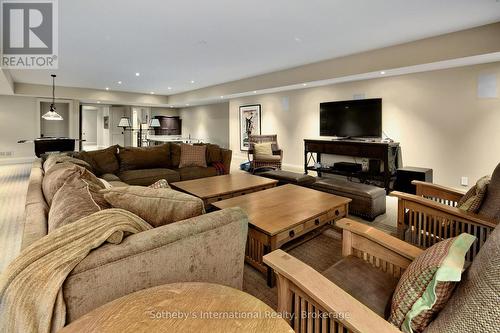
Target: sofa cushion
x=428, y=282
x=147, y=177
x=59, y=174
x=189, y=173
x=175, y=154
x=474, y=304
x=193, y=156
x=133, y=158
x=367, y=284
x=110, y=177
x=54, y=159
x=491, y=203
x=156, y=206
x=76, y=199
x=102, y=160
x=473, y=199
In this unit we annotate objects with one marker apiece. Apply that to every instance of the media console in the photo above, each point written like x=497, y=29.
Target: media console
x=388, y=153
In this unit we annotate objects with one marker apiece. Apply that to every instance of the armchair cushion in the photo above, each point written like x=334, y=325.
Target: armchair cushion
x=473, y=199
x=263, y=148
x=428, y=283
x=367, y=284
x=491, y=204
x=267, y=158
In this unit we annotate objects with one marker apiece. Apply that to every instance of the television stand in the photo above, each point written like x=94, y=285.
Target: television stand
x=388, y=153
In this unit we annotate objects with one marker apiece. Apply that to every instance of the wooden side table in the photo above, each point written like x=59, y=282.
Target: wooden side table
x=182, y=307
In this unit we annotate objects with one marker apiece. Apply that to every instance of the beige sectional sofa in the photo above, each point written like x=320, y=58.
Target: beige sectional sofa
x=208, y=248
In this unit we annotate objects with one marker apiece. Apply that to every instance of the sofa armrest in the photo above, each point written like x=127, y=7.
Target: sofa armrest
x=301, y=288
x=226, y=159
x=206, y=248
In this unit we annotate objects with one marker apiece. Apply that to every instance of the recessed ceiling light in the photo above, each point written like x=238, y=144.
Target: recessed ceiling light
x=107, y=88
x=382, y=73
x=304, y=84
x=298, y=40
x=169, y=88
x=222, y=97
x=137, y=74
x=187, y=104
x=171, y=106
x=192, y=81
x=119, y=82
x=152, y=92
x=255, y=91
x=98, y=102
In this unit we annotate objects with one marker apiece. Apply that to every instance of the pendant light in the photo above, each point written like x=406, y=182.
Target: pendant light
x=52, y=114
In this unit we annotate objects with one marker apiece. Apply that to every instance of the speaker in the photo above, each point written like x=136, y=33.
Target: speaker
x=404, y=177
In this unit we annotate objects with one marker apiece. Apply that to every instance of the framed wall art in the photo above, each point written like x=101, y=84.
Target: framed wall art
x=250, y=123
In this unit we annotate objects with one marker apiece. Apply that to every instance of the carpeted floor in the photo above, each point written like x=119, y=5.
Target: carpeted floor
x=13, y=188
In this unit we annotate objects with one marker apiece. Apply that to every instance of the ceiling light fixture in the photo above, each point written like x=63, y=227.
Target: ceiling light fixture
x=187, y=104
x=152, y=92
x=52, y=114
x=382, y=73
x=169, y=88
x=255, y=91
x=137, y=74
x=119, y=82
x=304, y=84
x=98, y=102
x=222, y=97
x=107, y=88
x=192, y=81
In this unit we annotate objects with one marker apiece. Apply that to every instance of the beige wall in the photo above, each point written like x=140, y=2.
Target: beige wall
x=209, y=123
x=164, y=112
x=18, y=121
x=437, y=117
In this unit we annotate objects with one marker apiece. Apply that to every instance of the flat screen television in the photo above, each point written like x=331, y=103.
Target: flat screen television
x=356, y=118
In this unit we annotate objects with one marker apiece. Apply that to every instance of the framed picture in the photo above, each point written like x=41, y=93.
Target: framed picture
x=106, y=122
x=250, y=121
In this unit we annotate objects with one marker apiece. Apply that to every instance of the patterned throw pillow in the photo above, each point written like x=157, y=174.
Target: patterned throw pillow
x=193, y=156
x=428, y=283
x=264, y=148
x=162, y=183
x=473, y=199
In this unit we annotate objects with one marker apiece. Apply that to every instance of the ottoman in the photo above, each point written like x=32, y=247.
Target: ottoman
x=367, y=201
x=287, y=177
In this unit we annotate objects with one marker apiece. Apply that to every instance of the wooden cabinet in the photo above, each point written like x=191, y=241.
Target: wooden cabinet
x=169, y=125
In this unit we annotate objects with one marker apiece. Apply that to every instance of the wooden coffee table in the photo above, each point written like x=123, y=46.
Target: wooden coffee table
x=281, y=215
x=182, y=307
x=213, y=189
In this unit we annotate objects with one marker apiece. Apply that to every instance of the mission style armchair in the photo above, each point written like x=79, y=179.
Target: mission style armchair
x=265, y=161
x=431, y=216
x=355, y=294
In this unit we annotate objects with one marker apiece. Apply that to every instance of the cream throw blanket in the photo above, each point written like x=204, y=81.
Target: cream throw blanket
x=31, y=298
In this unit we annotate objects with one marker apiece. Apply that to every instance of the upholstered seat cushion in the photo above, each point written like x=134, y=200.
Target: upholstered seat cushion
x=133, y=158
x=147, y=177
x=287, y=177
x=269, y=158
x=369, y=285
x=188, y=173
x=491, y=203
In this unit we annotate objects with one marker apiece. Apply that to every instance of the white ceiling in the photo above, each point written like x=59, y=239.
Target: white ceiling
x=171, y=42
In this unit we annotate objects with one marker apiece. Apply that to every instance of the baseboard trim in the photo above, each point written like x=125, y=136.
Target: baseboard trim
x=17, y=160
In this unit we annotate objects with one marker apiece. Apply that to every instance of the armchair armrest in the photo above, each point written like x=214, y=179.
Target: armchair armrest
x=308, y=288
x=440, y=193
x=206, y=248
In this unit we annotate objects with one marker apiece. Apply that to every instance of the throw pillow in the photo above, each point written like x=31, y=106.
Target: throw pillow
x=428, y=283
x=193, y=156
x=77, y=198
x=473, y=199
x=54, y=159
x=156, y=206
x=102, y=160
x=162, y=183
x=59, y=174
x=264, y=148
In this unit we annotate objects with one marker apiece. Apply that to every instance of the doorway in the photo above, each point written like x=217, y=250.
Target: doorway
x=94, y=130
